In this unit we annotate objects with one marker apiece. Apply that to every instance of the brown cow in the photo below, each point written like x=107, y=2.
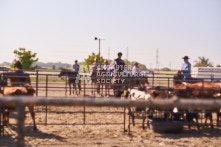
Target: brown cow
x=17, y=91
x=200, y=90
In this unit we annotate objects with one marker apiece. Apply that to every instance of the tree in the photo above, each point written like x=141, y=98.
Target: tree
x=90, y=60
x=203, y=62
x=27, y=58
x=218, y=65
x=165, y=69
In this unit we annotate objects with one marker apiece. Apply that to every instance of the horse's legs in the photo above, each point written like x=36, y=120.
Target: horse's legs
x=6, y=117
x=218, y=114
x=75, y=88
x=79, y=87
x=69, y=88
x=31, y=110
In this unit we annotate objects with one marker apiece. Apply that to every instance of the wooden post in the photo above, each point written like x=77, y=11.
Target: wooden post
x=20, y=125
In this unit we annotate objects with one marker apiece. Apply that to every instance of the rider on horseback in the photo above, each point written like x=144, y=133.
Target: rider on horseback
x=186, y=69
x=19, y=71
x=136, y=72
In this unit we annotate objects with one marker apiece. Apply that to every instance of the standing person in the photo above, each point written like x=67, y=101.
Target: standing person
x=76, y=66
x=136, y=72
x=186, y=68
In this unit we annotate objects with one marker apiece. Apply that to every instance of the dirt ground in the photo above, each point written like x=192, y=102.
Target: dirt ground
x=100, y=135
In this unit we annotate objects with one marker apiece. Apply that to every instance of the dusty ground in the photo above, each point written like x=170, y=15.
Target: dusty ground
x=101, y=135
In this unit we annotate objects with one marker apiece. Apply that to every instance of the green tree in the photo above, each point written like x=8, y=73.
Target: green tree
x=218, y=65
x=165, y=69
x=203, y=62
x=27, y=58
x=90, y=60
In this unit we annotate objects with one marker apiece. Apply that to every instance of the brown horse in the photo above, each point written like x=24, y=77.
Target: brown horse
x=178, y=79
x=138, y=81
x=18, y=91
x=17, y=78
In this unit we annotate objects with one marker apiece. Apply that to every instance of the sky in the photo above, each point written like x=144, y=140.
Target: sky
x=64, y=30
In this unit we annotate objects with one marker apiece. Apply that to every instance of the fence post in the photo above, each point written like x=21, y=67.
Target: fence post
x=84, y=87
x=20, y=125
x=84, y=115
x=168, y=84
x=37, y=82
x=1, y=123
x=153, y=79
x=46, y=108
x=124, y=119
x=66, y=82
x=202, y=91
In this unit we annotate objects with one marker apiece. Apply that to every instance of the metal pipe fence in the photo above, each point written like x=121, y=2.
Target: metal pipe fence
x=21, y=102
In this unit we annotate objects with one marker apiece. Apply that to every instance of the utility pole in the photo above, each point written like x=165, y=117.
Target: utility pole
x=99, y=40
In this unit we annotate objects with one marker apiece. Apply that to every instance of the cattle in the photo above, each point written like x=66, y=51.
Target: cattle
x=145, y=94
x=18, y=91
x=199, y=90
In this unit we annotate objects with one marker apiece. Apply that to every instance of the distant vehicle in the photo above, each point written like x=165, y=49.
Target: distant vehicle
x=146, y=73
x=207, y=73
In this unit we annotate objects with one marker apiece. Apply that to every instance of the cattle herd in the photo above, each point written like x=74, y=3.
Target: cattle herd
x=200, y=90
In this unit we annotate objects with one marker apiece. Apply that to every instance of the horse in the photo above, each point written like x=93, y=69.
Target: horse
x=18, y=78
x=178, y=79
x=72, y=79
x=138, y=81
x=95, y=82
x=26, y=90
x=104, y=80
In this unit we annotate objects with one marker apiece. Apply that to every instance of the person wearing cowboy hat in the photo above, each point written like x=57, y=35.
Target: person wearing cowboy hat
x=186, y=68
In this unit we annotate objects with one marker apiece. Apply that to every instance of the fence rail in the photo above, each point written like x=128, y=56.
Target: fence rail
x=21, y=101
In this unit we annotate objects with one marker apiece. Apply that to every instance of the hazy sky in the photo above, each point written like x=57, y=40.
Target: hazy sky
x=64, y=30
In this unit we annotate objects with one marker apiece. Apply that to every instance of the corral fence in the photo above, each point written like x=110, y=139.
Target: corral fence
x=50, y=85
x=21, y=102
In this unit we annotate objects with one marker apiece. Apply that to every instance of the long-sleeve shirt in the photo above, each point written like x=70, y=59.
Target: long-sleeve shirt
x=76, y=67
x=106, y=67
x=95, y=65
x=135, y=70
x=186, y=69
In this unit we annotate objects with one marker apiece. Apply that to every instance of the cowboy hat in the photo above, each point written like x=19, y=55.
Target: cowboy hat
x=186, y=57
